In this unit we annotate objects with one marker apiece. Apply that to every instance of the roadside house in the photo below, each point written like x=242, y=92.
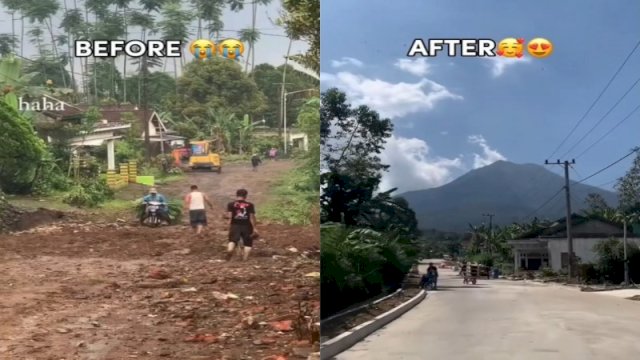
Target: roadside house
x=548, y=246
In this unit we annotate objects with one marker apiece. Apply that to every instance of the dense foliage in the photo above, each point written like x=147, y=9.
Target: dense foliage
x=369, y=236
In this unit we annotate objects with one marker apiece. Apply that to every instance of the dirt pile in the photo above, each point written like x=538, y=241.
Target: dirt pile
x=14, y=219
x=123, y=291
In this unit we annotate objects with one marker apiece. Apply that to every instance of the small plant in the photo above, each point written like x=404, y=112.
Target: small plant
x=88, y=193
x=547, y=272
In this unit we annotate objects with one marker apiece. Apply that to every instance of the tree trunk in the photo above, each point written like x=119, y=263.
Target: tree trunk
x=253, y=45
x=49, y=24
x=175, y=73
x=22, y=34
x=124, y=65
x=71, y=57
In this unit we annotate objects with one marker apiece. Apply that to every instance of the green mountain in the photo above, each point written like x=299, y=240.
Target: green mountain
x=513, y=192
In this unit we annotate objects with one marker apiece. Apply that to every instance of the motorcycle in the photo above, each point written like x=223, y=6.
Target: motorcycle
x=151, y=216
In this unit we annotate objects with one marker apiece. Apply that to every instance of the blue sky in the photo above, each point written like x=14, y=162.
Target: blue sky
x=453, y=114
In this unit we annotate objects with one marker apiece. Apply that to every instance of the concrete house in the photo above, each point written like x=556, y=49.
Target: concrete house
x=548, y=246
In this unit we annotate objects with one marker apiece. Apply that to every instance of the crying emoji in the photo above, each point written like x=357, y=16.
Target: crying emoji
x=231, y=49
x=203, y=49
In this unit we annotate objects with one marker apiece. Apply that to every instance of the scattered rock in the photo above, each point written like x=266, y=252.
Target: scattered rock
x=158, y=274
x=284, y=325
x=63, y=330
x=315, y=274
x=293, y=250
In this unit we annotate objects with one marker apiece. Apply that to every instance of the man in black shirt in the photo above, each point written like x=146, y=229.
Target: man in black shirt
x=242, y=224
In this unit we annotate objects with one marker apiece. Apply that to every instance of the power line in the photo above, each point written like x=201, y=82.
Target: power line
x=610, y=165
x=609, y=132
x=596, y=100
x=603, y=117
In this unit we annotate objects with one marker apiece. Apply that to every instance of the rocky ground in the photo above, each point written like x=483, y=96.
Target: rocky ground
x=110, y=289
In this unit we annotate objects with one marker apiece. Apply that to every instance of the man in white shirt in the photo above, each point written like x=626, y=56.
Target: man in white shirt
x=194, y=203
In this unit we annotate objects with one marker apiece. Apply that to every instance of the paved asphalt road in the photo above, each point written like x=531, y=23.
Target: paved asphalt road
x=501, y=319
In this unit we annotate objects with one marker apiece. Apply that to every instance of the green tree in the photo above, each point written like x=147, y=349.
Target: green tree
x=21, y=151
x=215, y=84
x=596, y=203
x=159, y=84
x=628, y=186
x=7, y=44
x=351, y=139
x=174, y=26
x=302, y=22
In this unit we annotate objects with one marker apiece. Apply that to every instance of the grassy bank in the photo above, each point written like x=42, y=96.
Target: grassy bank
x=290, y=202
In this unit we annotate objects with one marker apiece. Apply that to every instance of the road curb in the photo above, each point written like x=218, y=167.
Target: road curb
x=349, y=338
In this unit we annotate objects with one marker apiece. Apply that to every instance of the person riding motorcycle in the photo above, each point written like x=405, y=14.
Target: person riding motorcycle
x=154, y=196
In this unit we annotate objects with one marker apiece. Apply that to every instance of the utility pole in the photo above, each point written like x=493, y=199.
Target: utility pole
x=566, y=165
x=626, y=260
x=490, y=230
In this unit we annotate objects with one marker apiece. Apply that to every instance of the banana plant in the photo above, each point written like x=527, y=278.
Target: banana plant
x=15, y=84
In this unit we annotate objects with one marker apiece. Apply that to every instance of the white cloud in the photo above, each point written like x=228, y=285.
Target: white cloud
x=411, y=166
x=498, y=64
x=417, y=67
x=444, y=133
x=488, y=156
x=389, y=99
x=346, y=61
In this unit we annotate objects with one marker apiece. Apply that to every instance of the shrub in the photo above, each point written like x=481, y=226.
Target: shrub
x=547, y=272
x=88, y=193
x=357, y=264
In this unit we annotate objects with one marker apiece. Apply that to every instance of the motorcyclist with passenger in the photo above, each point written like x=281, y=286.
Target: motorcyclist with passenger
x=155, y=197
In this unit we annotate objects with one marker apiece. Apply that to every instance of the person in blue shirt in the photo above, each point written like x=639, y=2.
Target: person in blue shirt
x=154, y=196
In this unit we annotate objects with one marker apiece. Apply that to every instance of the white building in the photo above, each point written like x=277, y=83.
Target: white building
x=548, y=246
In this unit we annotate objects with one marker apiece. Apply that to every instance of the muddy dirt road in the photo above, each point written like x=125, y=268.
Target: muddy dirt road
x=115, y=290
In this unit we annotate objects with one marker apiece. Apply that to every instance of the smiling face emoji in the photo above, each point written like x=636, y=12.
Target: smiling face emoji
x=540, y=48
x=202, y=49
x=231, y=48
x=510, y=47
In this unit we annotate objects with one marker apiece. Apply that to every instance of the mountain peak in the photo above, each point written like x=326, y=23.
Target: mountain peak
x=510, y=191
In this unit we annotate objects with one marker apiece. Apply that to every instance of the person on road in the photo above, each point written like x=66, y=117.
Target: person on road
x=242, y=224
x=153, y=196
x=273, y=153
x=255, y=161
x=194, y=202
x=432, y=270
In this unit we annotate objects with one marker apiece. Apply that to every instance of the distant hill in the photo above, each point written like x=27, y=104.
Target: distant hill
x=510, y=191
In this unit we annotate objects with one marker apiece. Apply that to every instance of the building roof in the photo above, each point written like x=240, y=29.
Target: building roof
x=559, y=227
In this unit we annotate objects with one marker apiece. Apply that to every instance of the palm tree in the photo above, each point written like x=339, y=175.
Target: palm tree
x=8, y=44
x=42, y=12
x=174, y=26
x=249, y=36
x=124, y=5
x=74, y=26
x=14, y=6
x=145, y=22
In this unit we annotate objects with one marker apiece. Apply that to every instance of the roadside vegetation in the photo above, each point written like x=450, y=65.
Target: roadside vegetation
x=295, y=197
x=368, y=236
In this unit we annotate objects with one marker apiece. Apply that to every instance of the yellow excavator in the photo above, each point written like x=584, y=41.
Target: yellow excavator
x=202, y=157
